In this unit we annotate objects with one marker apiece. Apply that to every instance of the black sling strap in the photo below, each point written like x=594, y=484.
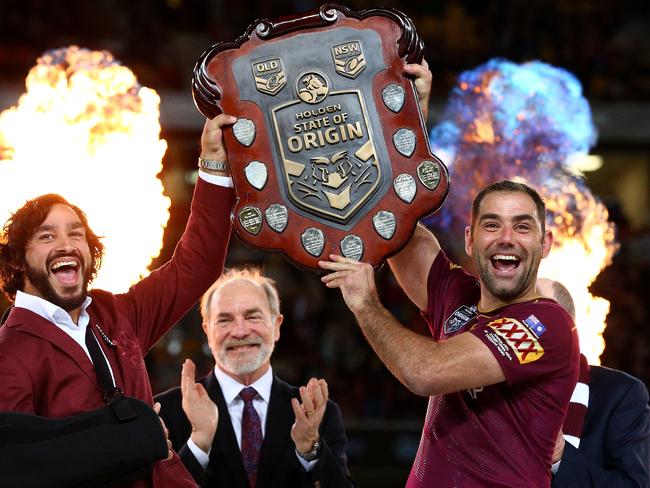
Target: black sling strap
x=113, y=395
x=5, y=315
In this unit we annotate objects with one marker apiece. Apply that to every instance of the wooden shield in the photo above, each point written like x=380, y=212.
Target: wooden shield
x=330, y=153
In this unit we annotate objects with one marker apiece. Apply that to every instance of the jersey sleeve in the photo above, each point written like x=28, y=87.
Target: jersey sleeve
x=530, y=340
x=448, y=287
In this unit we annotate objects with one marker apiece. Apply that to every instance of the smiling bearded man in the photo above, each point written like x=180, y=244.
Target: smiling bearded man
x=267, y=433
x=502, y=361
x=60, y=276
x=507, y=254
x=66, y=350
x=34, y=263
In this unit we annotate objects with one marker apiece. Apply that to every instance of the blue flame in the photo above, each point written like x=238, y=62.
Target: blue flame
x=506, y=120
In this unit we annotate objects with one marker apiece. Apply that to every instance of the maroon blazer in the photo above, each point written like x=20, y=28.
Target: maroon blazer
x=45, y=372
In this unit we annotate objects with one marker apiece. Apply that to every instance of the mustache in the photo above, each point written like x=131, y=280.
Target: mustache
x=65, y=254
x=251, y=341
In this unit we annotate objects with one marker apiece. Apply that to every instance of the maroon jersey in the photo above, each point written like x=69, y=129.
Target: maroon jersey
x=500, y=435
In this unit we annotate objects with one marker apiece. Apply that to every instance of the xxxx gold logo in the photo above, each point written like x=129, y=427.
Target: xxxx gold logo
x=269, y=75
x=520, y=339
x=348, y=59
x=312, y=87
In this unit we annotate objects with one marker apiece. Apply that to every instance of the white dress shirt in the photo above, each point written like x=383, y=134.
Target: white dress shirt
x=216, y=179
x=60, y=318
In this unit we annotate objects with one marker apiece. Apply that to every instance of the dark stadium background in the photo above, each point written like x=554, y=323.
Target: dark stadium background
x=605, y=44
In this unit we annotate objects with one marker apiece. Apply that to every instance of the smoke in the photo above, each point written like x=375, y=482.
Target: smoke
x=506, y=120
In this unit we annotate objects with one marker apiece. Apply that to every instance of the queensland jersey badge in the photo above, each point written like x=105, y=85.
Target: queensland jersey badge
x=462, y=316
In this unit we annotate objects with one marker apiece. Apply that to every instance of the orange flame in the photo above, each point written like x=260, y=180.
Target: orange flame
x=85, y=129
x=577, y=258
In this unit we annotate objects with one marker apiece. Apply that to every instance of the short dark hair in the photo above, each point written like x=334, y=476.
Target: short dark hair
x=511, y=186
x=20, y=227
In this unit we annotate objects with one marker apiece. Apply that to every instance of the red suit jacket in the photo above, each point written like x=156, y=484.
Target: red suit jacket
x=45, y=372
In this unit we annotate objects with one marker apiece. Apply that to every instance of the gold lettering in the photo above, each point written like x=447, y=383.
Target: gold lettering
x=319, y=138
x=347, y=48
x=355, y=130
x=344, y=136
x=315, y=112
x=295, y=144
x=310, y=140
x=331, y=136
x=266, y=66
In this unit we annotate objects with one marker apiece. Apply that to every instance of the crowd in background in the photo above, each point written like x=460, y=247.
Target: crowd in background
x=604, y=43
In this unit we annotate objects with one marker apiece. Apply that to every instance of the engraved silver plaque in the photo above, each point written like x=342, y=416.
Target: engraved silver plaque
x=244, y=131
x=251, y=219
x=393, y=96
x=256, y=174
x=277, y=217
x=384, y=223
x=352, y=247
x=429, y=174
x=404, y=140
x=313, y=241
x=405, y=187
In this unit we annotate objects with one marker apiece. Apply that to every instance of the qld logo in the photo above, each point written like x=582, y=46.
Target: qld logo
x=269, y=75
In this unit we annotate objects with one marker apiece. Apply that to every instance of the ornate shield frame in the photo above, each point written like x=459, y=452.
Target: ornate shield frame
x=330, y=153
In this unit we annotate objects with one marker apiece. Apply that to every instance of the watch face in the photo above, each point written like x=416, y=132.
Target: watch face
x=313, y=454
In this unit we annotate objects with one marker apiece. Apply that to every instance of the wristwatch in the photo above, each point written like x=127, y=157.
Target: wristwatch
x=311, y=455
x=213, y=165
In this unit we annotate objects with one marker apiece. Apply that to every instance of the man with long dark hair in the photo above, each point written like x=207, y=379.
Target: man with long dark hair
x=64, y=349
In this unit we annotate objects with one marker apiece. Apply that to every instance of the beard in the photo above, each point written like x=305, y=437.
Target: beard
x=40, y=280
x=246, y=365
x=510, y=290
x=504, y=293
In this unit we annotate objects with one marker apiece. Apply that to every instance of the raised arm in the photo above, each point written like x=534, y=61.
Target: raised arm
x=422, y=81
x=158, y=301
x=425, y=367
x=412, y=264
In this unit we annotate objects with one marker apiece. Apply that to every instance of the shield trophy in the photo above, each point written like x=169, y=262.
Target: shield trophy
x=330, y=152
